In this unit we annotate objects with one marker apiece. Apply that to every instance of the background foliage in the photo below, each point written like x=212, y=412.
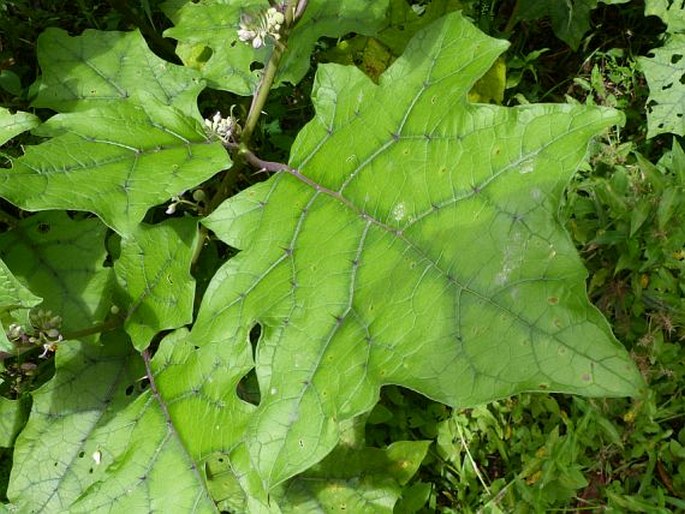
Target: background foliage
x=128, y=140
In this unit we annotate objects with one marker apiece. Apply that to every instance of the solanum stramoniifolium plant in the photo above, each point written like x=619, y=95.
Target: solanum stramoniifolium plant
x=411, y=239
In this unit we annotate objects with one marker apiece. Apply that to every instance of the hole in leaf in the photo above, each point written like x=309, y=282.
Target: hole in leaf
x=129, y=390
x=81, y=454
x=256, y=66
x=248, y=386
x=43, y=228
x=682, y=79
x=675, y=58
x=205, y=55
x=667, y=86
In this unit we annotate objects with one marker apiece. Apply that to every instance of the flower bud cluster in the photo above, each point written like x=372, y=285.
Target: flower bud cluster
x=198, y=198
x=225, y=128
x=44, y=331
x=257, y=30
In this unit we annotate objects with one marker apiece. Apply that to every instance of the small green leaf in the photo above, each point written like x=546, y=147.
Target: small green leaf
x=14, y=124
x=154, y=272
x=124, y=157
x=665, y=73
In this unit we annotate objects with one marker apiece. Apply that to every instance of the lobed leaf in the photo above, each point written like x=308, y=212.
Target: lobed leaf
x=116, y=161
x=413, y=242
x=95, y=419
x=56, y=455
x=98, y=68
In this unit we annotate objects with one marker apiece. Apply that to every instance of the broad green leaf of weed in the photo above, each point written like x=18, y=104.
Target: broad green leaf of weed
x=15, y=303
x=413, y=242
x=665, y=73
x=95, y=419
x=116, y=161
x=671, y=12
x=98, y=68
x=14, y=124
x=570, y=19
x=154, y=274
x=62, y=261
x=56, y=456
x=207, y=32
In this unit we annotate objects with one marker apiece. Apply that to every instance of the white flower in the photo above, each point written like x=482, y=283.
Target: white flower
x=222, y=127
x=257, y=30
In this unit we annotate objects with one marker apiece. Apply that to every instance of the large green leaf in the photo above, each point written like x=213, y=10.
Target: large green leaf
x=90, y=421
x=105, y=67
x=664, y=70
x=130, y=136
x=207, y=32
x=55, y=456
x=116, y=161
x=414, y=242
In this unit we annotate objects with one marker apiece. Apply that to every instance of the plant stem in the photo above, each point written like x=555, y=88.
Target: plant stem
x=269, y=75
x=512, y=19
x=105, y=326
